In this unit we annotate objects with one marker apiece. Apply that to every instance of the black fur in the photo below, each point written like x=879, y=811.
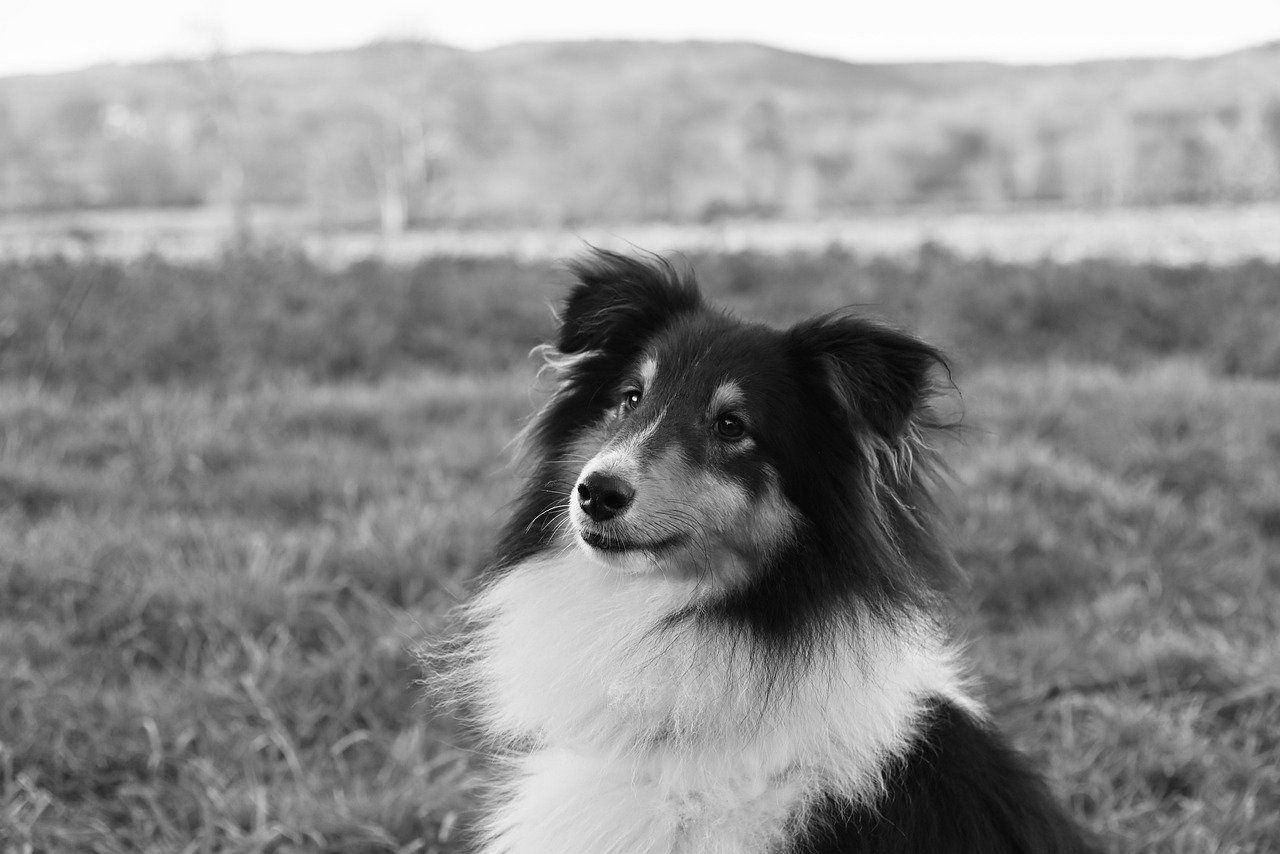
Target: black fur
x=620, y=302
x=847, y=377
x=879, y=375
x=960, y=789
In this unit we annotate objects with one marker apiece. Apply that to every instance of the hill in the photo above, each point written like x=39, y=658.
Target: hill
x=557, y=133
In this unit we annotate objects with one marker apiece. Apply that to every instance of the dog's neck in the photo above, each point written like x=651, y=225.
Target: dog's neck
x=571, y=655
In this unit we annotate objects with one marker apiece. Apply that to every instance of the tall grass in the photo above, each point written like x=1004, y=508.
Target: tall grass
x=233, y=496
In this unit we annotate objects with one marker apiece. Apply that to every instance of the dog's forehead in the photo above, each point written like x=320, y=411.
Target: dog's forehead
x=699, y=359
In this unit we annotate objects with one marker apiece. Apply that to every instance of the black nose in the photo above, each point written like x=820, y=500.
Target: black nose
x=603, y=496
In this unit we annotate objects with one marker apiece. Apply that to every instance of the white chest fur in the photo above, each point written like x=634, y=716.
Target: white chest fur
x=642, y=737
x=561, y=800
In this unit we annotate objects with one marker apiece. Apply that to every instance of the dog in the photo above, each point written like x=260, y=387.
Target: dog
x=714, y=623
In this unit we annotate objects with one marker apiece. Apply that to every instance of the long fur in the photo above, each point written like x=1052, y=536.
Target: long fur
x=744, y=649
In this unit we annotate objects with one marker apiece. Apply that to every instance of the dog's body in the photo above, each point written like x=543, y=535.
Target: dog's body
x=713, y=623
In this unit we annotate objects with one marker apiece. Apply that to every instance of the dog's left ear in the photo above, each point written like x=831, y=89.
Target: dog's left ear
x=619, y=302
x=876, y=374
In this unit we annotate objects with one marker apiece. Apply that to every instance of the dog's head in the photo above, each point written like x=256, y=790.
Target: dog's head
x=685, y=442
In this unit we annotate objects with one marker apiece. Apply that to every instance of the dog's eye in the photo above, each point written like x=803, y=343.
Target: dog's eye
x=630, y=400
x=730, y=428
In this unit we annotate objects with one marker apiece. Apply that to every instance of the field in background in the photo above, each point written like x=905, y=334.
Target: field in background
x=234, y=494
x=1173, y=234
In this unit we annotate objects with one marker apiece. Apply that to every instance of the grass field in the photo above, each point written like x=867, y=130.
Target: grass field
x=234, y=495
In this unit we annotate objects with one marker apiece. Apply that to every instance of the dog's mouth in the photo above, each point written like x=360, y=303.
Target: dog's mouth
x=609, y=543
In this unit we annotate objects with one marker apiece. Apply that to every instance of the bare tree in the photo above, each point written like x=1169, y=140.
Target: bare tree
x=222, y=105
x=399, y=159
x=228, y=116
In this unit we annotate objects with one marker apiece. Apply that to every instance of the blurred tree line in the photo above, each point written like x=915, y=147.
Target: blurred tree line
x=411, y=134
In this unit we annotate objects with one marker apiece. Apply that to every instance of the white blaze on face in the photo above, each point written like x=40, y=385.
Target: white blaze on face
x=622, y=458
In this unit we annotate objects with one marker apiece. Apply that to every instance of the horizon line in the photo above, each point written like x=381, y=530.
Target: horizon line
x=425, y=41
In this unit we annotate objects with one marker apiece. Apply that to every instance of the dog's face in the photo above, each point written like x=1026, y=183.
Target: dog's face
x=684, y=443
x=680, y=472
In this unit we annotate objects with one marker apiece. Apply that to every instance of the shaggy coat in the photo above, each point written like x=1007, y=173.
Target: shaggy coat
x=713, y=624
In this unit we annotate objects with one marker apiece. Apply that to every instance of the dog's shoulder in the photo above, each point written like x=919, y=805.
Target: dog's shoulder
x=960, y=788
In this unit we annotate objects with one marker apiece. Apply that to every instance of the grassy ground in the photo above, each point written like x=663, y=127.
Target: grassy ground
x=232, y=497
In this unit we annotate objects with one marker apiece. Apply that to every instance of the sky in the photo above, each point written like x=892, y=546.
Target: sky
x=55, y=35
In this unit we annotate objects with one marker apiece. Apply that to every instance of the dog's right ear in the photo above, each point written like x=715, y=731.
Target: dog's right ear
x=619, y=302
